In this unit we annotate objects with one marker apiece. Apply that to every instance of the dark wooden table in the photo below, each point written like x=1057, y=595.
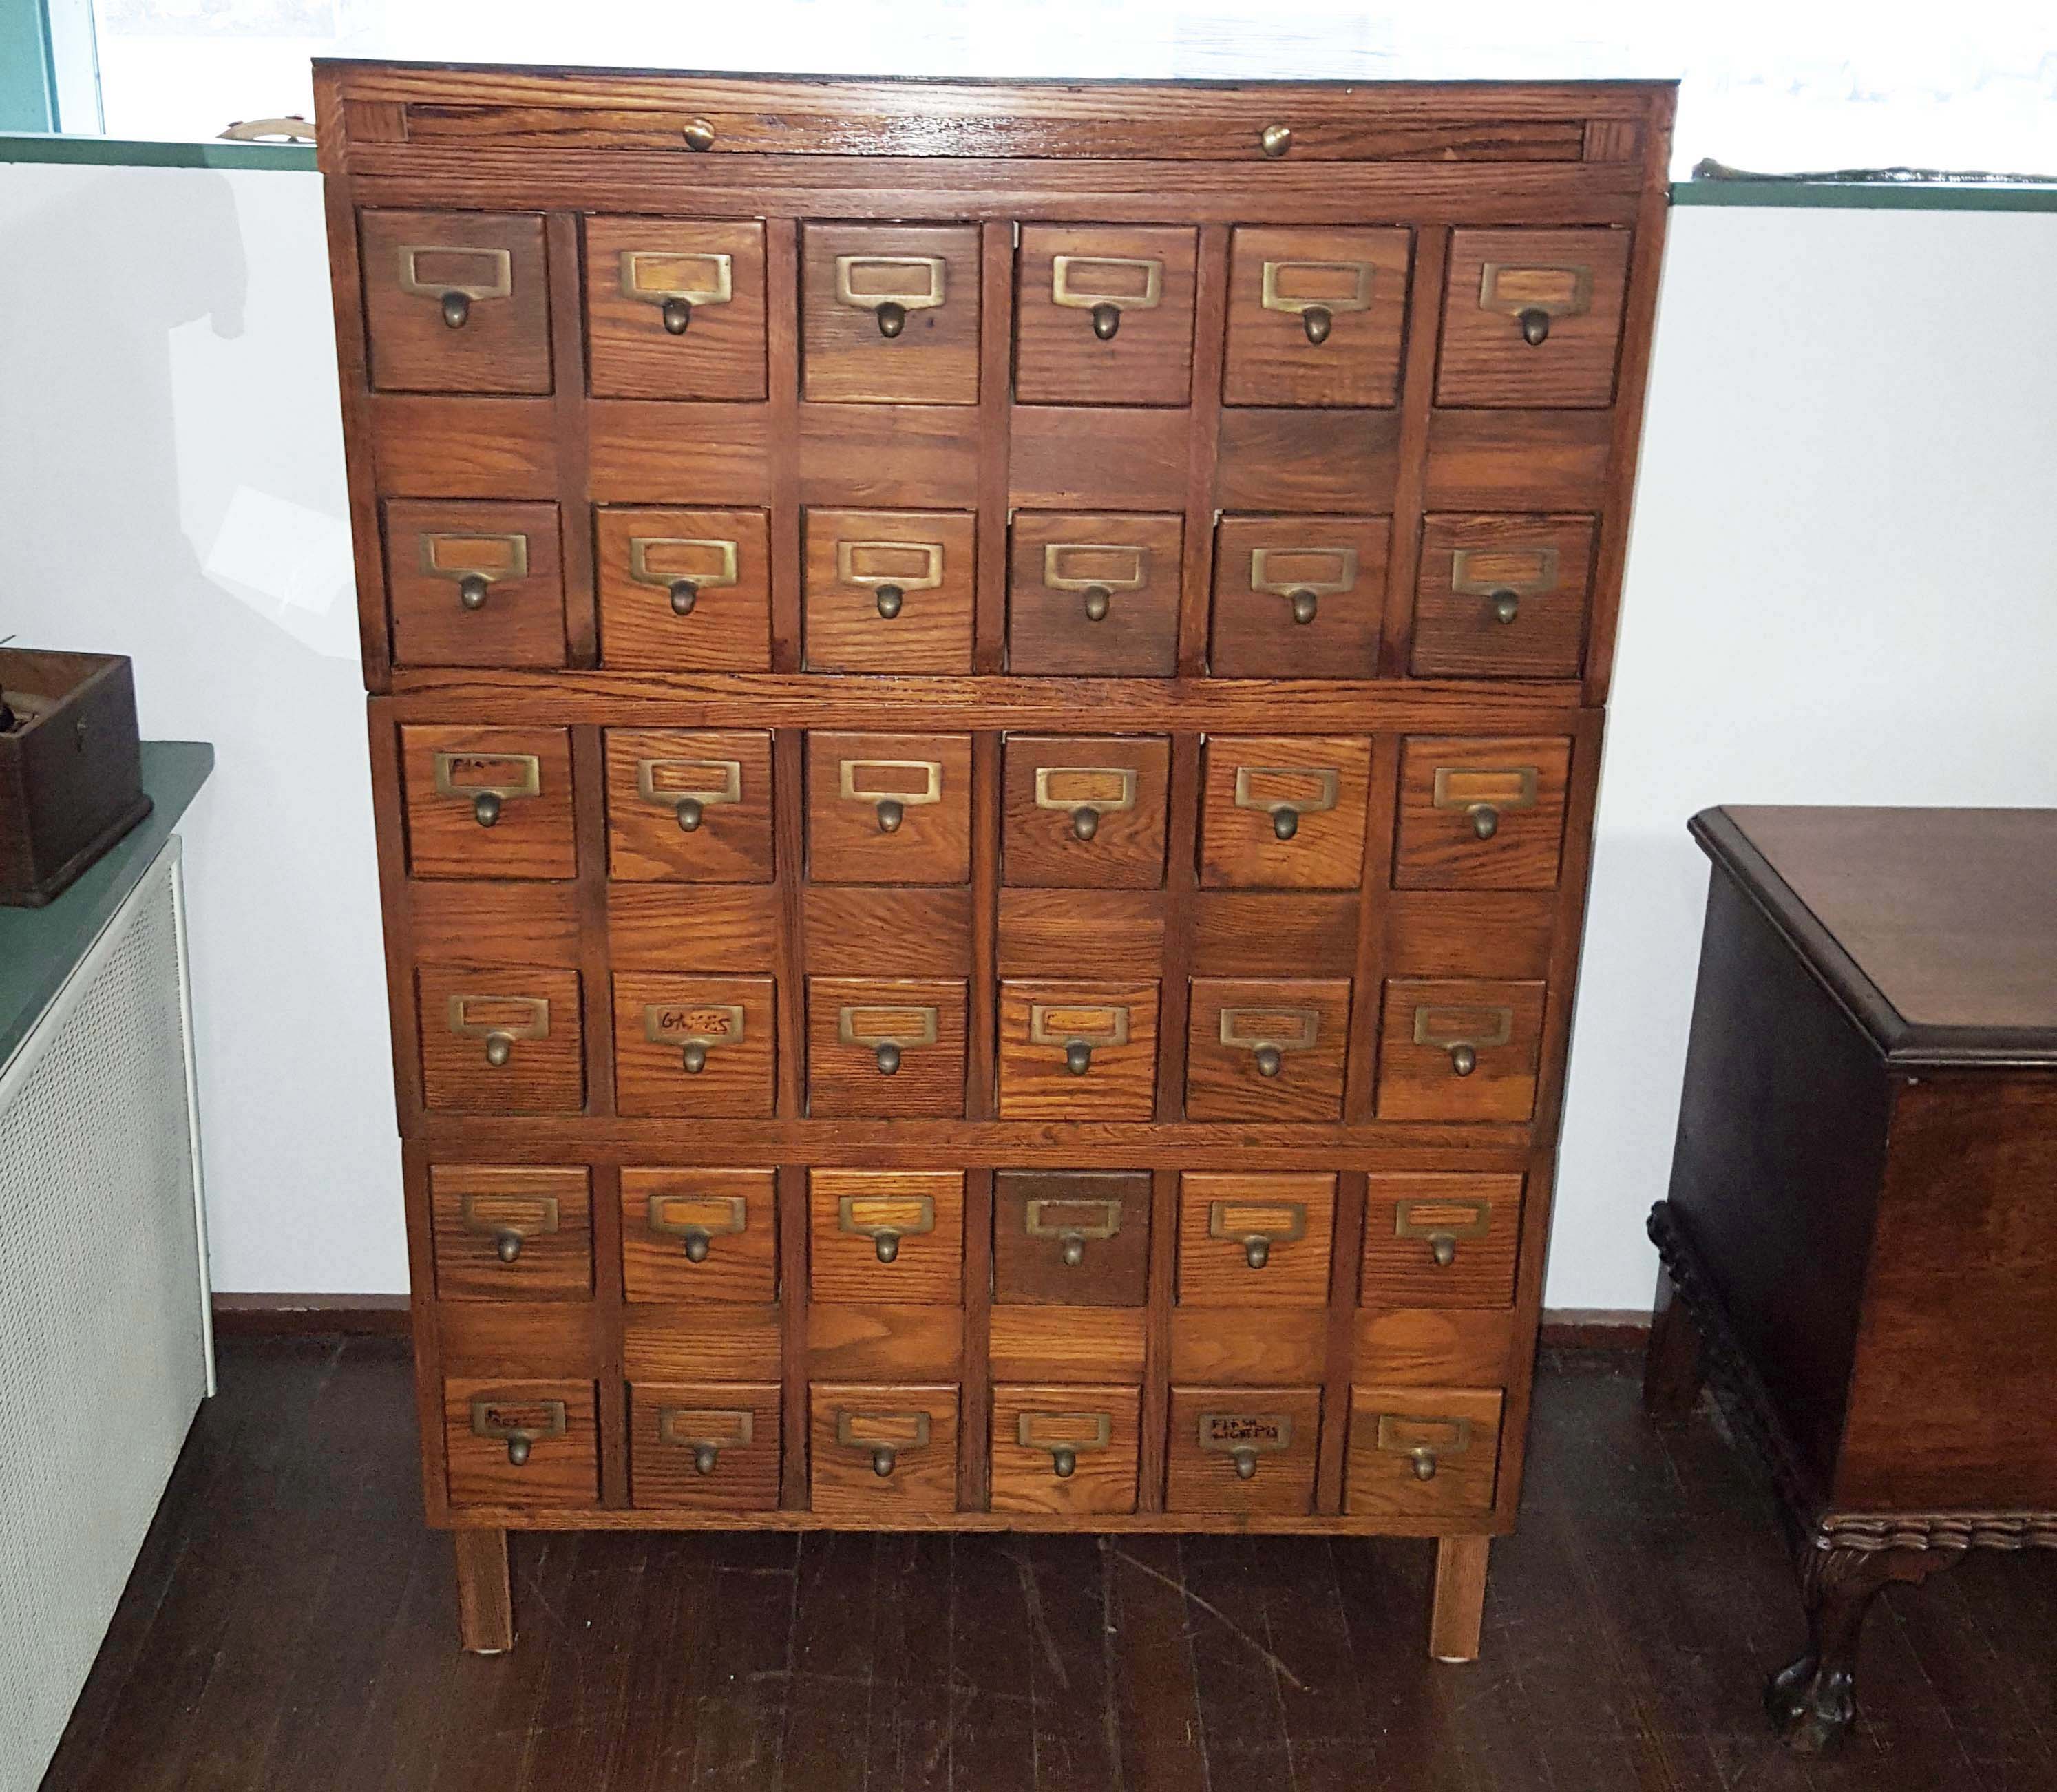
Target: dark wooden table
x=1859, y=1245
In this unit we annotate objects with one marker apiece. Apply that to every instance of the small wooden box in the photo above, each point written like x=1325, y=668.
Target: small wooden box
x=71, y=773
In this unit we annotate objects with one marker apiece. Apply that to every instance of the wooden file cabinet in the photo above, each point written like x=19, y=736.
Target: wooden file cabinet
x=985, y=708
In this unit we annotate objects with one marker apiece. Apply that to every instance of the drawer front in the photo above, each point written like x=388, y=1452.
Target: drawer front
x=675, y=309
x=1249, y=1240
x=683, y=590
x=1243, y=1450
x=1094, y=594
x=1269, y=1050
x=888, y=808
x=1315, y=316
x=707, y=1446
x=888, y=1048
x=475, y=584
x=887, y=1237
x=1502, y=598
x=1284, y=812
x=889, y=591
x=700, y=1235
x=1085, y=811
x=1458, y=1049
x=1078, y=1051
x=1480, y=814
x=1298, y=597
x=1441, y=1240
x=1422, y=1451
x=517, y=1443
x=1064, y=1451
x=503, y=1039
x=693, y=1045
x=488, y=802
x=889, y=314
x=882, y=1449
x=1071, y=1238
x=689, y=807
x=455, y=302
x=1532, y=317
x=1104, y=315
x=511, y=1232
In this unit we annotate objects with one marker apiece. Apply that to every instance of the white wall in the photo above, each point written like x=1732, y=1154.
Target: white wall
x=1842, y=589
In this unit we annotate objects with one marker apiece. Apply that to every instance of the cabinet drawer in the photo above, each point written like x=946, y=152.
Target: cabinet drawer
x=1422, y=1451
x=1480, y=814
x=1298, y=597
x=474, y=585
x=1284, y=811
x=889, y=314
x=1105, y=316
x=1270, y=1050
x=888, y=1237
x=520, y=1443
x=700, y=1235
x=1250, y=1240
x=1532, y=317
x=503, y=1039
x=1502, y=598
x=675, y=309
x=885, y=1047
x=1071, y=1238
x=693, y=1045
x=888, y=808
x=488, y=802
x=692, y=807
x=511, y=1232
x=1086, y=811
x=1094, y=593
x=1315, y=316
x=710, y=1446
x=1078, y=1051
x=889, y=591
x=455, y=302
x=1457, y=1049
x=1441, y=1240
x=683, y=590
x=1243, y=1449
x=882, y=1449
x=1064, y=1451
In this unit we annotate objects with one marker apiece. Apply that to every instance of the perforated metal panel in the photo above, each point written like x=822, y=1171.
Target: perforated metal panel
x=104, y=1353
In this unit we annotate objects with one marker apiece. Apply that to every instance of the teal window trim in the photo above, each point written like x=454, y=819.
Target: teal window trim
x=114, y=151
x=28, y=69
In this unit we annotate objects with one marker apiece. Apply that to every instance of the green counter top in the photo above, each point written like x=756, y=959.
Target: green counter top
x=38, y=947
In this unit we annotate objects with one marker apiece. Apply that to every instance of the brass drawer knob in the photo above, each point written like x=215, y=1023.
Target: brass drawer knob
x=886, y=1245
x=507, y=1245
x=1275, y=140
x=1245, y=1464
x=1506, y=606
x=485, y=808
x=891, y=813
x=892, y=318
x=1257, y=1252
x=1305, y=604
x=520, y=1427
x=1269, y=1060
x=888, y=1059
x=698, y=1244
x=509, y=1220
x=677, y=314
x=691, y=813
x=1285, y=822
x=705, y=1457
x=500, y=1036
x=1106, y=321
x=1535, y=331
x=1424, y=1461
x=456, y=309
x=1072, y=1249
x=499, y=1049
x=696, y=1221
x=518, y=1446
x=1443, y=1247
x=1099, y=599
x=1464, y=1060
x=1064, y=1463
x=694, y=1058
x=684, y=595
x=890, y=597
x=1318, y=321
x=883, y=1460
x=471, y=590
x=1085, y=822
x=1485, y=821
x=1078, y=1057
x=699, y=134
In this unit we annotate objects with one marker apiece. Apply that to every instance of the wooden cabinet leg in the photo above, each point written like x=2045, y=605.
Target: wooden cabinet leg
x=1674, y=1365
x=1812, y=1704
x=1460, y=1607
x=485, y=1599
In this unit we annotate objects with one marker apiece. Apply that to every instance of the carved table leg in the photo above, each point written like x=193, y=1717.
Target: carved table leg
x=1460, y=1607
x=1812, y=1702
x=485, y=1599
x=1674, y=1365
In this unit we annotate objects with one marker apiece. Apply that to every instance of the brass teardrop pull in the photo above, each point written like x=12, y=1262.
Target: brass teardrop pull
x=705, y=1456
x=471, y=591
x=891, y=813
x=1304, y=603
x=1285, y=822
x=456, y=309
x=677, y=313
x=1072, y=1252
x=1269, y=1060
x=1424, y=1463
x=883, y=1459
x=517, y=1449
x=1257, y=1252
x=1078, y=1057
x=887, y=1246
x=1534, y=327
x=890, y=597
x=1443, y=1247
x=1485, y=821
x=1506, y=606
x=694, y=1058
x=507, y=1246
x=698, y=1244
x=1245, y=1464
x=888, y=1059
x=485, y=808
x=1317, y=320
x=892, y=318
x=691, y=813
x=1464, y=1060
x=684, y=595
x=1098, y=598
x=1063, y=1462
x=1107, y=319
x=499, y=1049
x=1085, y=822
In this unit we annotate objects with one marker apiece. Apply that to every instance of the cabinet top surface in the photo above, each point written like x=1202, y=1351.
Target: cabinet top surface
x=1948, y=916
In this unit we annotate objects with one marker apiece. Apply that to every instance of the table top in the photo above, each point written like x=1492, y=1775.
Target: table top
x=1937, y=927
x=38, y=947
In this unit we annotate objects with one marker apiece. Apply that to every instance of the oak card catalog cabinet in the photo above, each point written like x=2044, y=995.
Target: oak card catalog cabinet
x=985, y=708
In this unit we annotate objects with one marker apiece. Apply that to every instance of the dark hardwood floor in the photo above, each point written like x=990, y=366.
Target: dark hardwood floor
x=291, y=1625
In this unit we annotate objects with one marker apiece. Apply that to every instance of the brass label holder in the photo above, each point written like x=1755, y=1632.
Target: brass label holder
x=866, y=282
x=706, y=1427
x=1245, y=1433
x=1134, y=283
x=643, y=572
x=461, y=555
x=1069, y=1221
x=1405, y=1434
x=1233, y=1222
x=535, y=1026
x=890, y=1431
x=1076, y=1023
x=851, y=570
x=497, y=281
x=1555, y=289
x=1465, y=787
x=504, y=1420
x=1279, y=275
x=470, y=776
x=713, y=781
x=705, y=1024
x=1263, y=578
x=652, y=276
x=1079, y=1432
x=1108, y=789
x=1442, y=1216
x=1447, y=1026
x=869, y=1216
x=1485, y=571
x=1135, y=559
x=1326, y=782
x=1283, y=1029
x=850, y=773
x=881, y=1024
x=499, y=1215
x=677, y=1216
